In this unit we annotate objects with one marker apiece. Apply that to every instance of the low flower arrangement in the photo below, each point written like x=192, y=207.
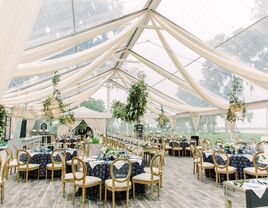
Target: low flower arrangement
x=229, y=148
x=109, y=153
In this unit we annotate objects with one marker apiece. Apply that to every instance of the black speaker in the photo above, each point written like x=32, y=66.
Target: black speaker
x=23, y=128
x=196, y=139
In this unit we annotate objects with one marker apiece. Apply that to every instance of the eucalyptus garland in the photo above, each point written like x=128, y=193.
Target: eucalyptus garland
x=66, y=117
x=2, y=121
x=162, y=119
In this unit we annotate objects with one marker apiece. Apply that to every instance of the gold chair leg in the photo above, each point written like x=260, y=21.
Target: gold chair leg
x=245, y=176
x=235, y=175
x=46, y=173
x=18, y=175
x=227, y=176
x=26, y=177
x=127, y=198
x=74, y=194
x=200, y=174
x=152, y=191
x=105, y=194
x=133, y=189
x=113, y=201
x=161, y=180
x=83, y=196
x=100, y=191
x=216, y=179
x=38, y=173
x=63, y=188
x=193, y=168
x=52, y=175
x=2, y=193
x=158, y=189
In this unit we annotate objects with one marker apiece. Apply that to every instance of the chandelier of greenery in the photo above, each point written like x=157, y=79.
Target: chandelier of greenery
x=54, y=108
x=162, y=119
x=137, y=100
x=2, y=121
x=237, y=103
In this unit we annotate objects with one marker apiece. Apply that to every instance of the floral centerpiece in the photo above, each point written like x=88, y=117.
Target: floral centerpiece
x=109, y=153
x=229, y=148
x=264, y=140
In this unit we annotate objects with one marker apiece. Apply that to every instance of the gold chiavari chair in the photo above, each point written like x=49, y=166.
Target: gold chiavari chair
x=151, y=178
x=176, y=147
x=3, y=177
x=259, y=147
x=224, y=169
x=155, y=166
x=202, y=165
x=83, y=181
x=80, y=154
x=195, y=158
x=66, y=177
x=13, y=163
x=118, y=184
x=258, y=169
x=55, y=164
x=219, y=142
x=25, y=166
x=206, y=145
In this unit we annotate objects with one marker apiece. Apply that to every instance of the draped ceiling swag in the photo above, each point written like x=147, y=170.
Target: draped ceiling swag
x=78, y=84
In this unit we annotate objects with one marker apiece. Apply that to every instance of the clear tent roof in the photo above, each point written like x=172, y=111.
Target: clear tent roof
x=243, y=37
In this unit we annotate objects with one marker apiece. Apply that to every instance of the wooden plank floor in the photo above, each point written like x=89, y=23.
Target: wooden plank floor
x=180, y=189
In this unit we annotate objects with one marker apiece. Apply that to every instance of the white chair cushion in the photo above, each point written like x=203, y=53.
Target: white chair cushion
x=251, y=171
x=70, y=176
x=177, y=148
x=90, y=180
x=30, y=166
x=56, y=165
x=69, y=162
x=188, y=148
x=230, y=170
x=13, y=163
x=206, y=165
x=108, y=183
x=199, y=147
x=145, y=177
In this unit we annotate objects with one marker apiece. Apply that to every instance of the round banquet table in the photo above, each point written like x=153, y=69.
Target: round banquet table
x=44, y=158
x=239, y=161
x=101, y=169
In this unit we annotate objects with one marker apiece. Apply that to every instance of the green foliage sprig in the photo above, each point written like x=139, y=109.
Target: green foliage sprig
x=236, y=102
x=137, y=100
x=162, y=119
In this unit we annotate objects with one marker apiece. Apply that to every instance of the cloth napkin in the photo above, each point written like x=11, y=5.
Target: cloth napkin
x=258, y=191
x=95, y=162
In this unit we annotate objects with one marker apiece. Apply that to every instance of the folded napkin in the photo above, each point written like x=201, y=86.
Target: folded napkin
x=259, y=191
x=94, y=163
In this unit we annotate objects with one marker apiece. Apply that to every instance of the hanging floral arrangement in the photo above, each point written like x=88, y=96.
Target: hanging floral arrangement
x=237, y=106
x=54, y=108
x=162, y=119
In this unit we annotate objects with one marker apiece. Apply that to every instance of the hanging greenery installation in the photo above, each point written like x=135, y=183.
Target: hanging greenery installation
x=162, y=119
x=54, y=108
x=237, y=106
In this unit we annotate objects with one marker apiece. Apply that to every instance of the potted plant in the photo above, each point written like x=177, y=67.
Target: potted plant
x=237, y=105
x=135, y=107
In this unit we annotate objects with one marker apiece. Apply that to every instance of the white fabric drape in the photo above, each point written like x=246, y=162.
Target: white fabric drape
x=68, y=82
x=212, y=54
x=213, y=99
x=35, y=68
x=75, y=124
x=29, y=127
x=97, y=125
x=50, y=49
x=195, y=120
x=16, y=19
